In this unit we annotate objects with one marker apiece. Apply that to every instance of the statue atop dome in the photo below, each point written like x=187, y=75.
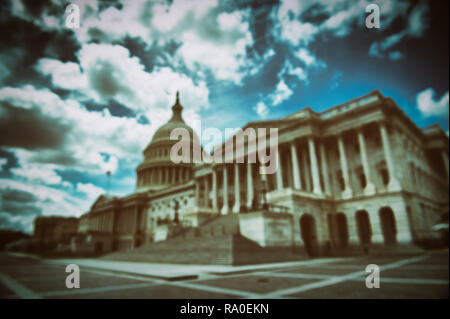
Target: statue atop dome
x=176, y=109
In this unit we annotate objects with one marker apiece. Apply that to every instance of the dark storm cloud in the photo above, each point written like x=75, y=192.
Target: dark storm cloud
x=11, y=162
x=105, y=79
x=114, y=107
x=142, y=119
x=316, y=14
x=96, y=35
x=15, y=195
x=7, y=223
x=58, y=157
x=29, y=129
x=148, y=54
x=18, y=202
x=32, y=43
x=36, y=8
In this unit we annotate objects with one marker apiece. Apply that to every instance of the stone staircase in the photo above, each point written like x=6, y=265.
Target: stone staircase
x=217, y=241
x=205, y=250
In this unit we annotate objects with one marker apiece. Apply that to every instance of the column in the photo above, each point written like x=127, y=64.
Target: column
x=214, y=186
x=206, y=192
x=393, y=182
x=347, y=189
x=295, y=167
x=174, y=172
x=166, y=179
x=237, y=190
x=306, y=170
x=160, y=175
x=197, y=193
x=314, y=167
x=445, y=159
x=133, y=221
x=370, y=187
x=324, y=166
x=250, y=194
x=279, y=173
x=225, y=191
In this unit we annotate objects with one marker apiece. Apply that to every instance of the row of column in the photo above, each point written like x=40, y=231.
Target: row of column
x=102, y=222
x=163, y=175
x=296, y=171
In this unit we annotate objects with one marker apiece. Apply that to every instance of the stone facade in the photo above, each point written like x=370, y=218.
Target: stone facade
x=355, y=176
x=51, y=231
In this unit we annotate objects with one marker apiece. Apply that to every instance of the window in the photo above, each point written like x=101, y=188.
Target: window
x=413, y=173
x=384, y=176
x=378, y=141
x=340, y=177
x=362, y=179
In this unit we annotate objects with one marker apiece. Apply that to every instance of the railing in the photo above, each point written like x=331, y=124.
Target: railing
x=271, y=208
x=348, y=106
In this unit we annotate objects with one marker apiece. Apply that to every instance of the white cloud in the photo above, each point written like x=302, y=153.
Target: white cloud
x=281, y=93
x=90, y=191
x=309, y=59
x=417, y=21
x=396, y=55
x=50, y=200
x=287, y=25
x=261, y=109
x=90, y=135
x=428, y=106
x=37, y=173
x=298, y=72
x=340, y=23
x=110, y=165
x=110, y=72
x=64, y=75
x=344, y=15
x=209, y=38
x=3, y=162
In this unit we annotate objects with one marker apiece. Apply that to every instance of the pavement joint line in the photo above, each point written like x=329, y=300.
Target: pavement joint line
x=409, y=281
x=182, y=277
x=227, y=272
x=262, y=272
x=191, y=283
x=298, y=275
x=277, y=266
x=185, y=284
x=243, y=274
x=240, y=293
x=20, y=290
x=85, y=291
x=127, y=276
x=337, y=280
x=383, y=279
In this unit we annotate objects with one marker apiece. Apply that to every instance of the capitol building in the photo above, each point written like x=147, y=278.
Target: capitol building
x=357, y=178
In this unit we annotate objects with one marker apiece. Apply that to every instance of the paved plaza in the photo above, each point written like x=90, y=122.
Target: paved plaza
x=419, y=276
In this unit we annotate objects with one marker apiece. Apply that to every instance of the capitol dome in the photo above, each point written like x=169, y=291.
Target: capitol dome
x=158, y=171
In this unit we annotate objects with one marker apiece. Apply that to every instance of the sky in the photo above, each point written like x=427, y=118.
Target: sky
x=78, y=102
